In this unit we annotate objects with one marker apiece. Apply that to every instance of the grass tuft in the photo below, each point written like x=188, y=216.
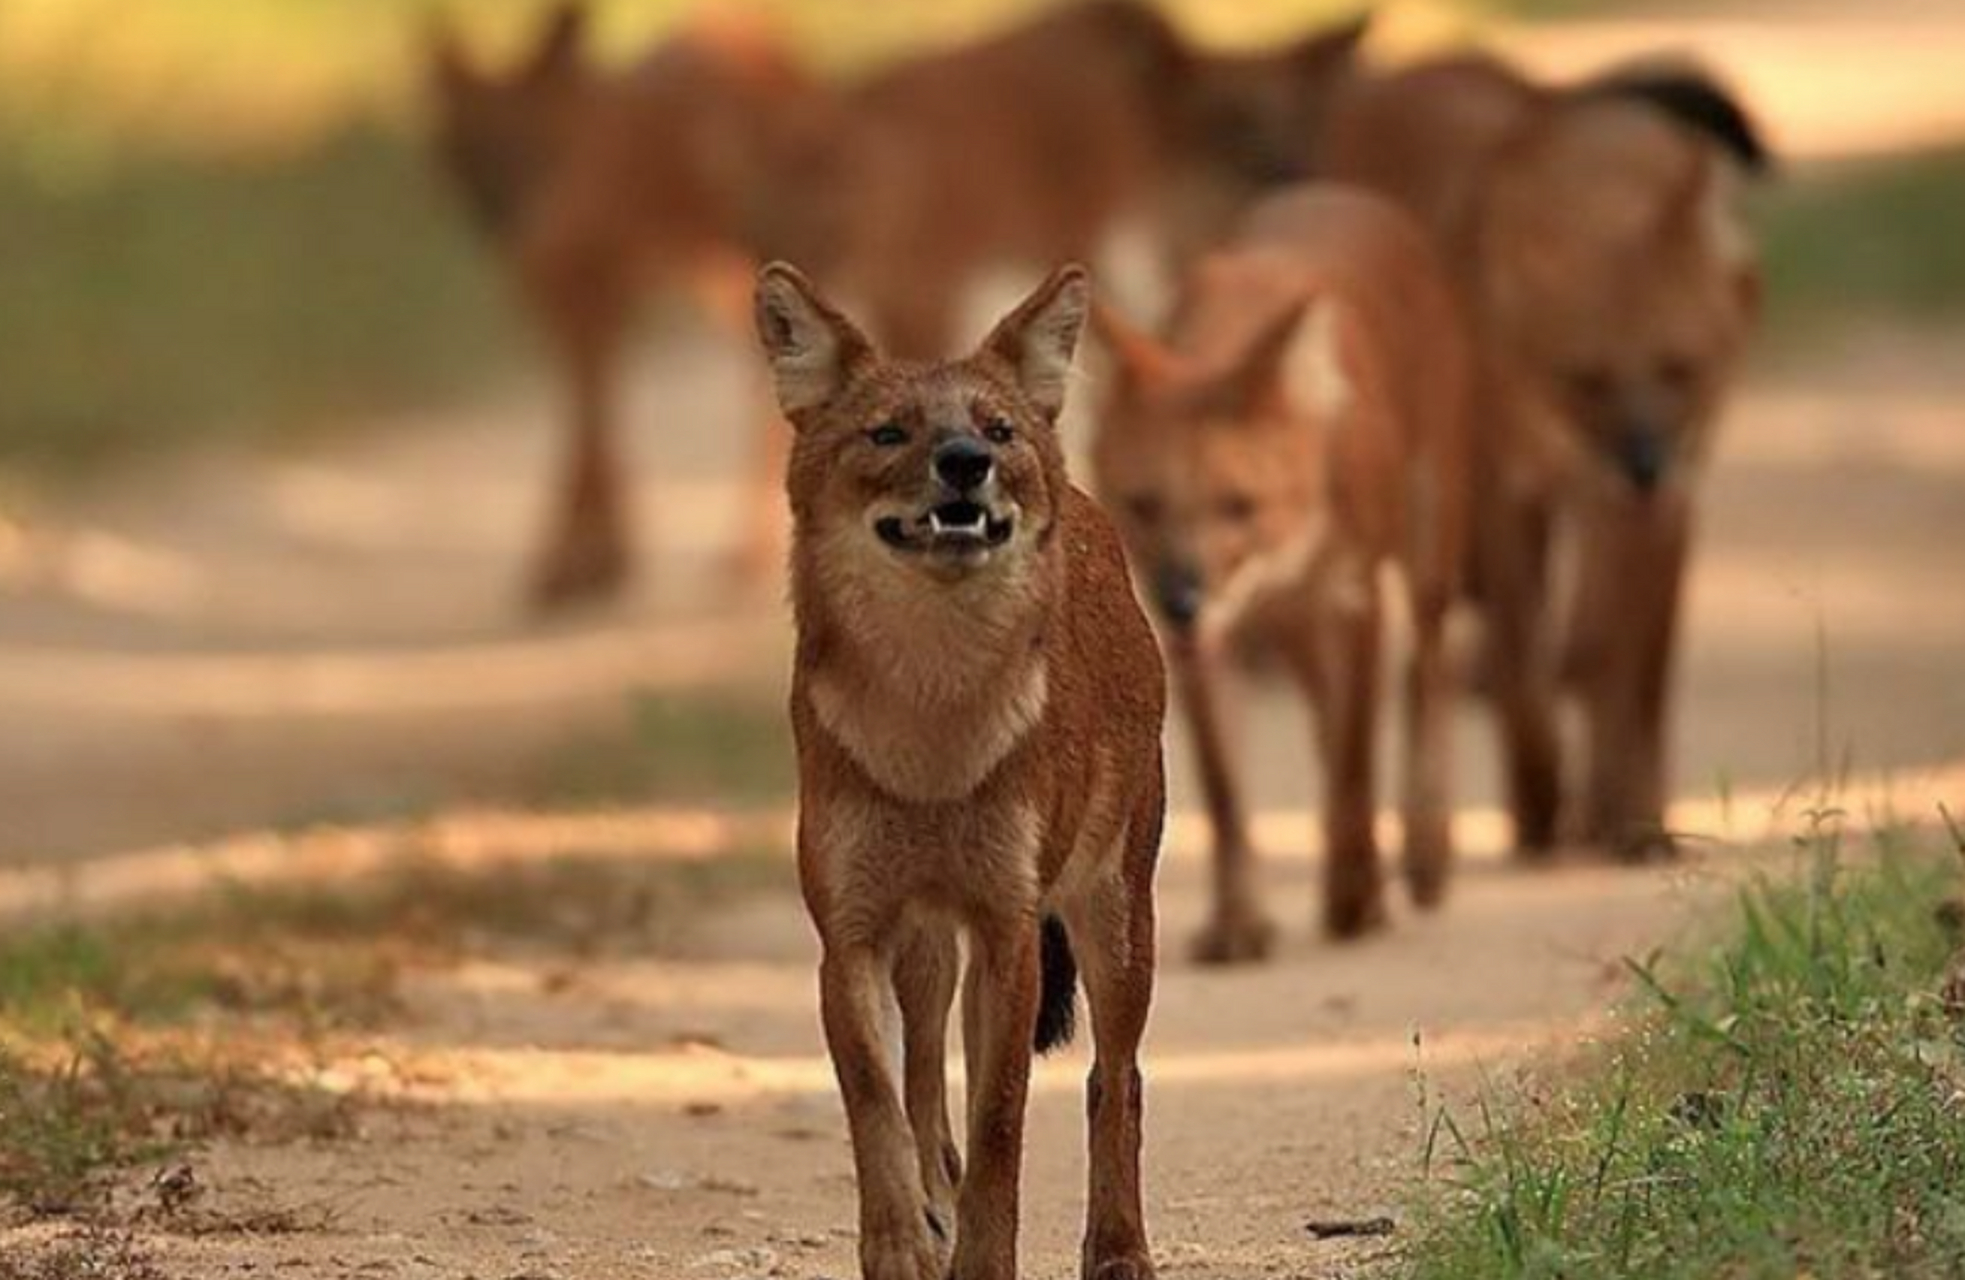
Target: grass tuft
x=1791, y=1102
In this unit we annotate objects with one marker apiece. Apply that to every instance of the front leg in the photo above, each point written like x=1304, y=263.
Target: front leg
x=1238, y=930
x=585, y=312
x=1000, y=1015
x=1338, y=660
x=896, y=1241
x=1627, y=692
x=927, y=966
x=1428, y=851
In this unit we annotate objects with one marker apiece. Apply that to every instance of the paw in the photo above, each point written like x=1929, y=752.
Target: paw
x=1426, y=884
x=1426, y=866
x=1647, y=843
x=580, y=570
x=1241, y=938
x=1349, y=916
x=1132, y=1266
x=904, y=1255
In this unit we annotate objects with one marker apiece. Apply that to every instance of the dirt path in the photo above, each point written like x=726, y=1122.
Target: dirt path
x=199, y=650
x=677, y=1118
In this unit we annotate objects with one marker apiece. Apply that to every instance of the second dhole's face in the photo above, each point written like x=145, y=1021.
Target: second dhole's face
x=1219, y=479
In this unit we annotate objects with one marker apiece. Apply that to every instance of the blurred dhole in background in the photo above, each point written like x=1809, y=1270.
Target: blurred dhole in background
x=275, y=437
x=218, y=218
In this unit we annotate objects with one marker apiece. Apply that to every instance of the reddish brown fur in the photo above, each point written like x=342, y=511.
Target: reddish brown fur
x=979, y=745
x=1304, y=425
x=1612, y=298
x=717, y=152
x=601, y=188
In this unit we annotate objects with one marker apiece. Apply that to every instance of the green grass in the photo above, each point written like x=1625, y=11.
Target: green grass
x=123, y=1040
x=327, y=956
x=1873, y=239
x=172, y=299
x=1790, y=1103
x=693, y=747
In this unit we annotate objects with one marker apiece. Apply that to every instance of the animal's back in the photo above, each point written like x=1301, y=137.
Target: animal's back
x=1422, y=135
x=1026, y=144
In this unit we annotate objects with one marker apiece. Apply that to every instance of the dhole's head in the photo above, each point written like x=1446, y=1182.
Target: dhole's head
x=1252, y=113
x=1218, y=472
x=497, y=134
x=1618, y=289
x=947, y=471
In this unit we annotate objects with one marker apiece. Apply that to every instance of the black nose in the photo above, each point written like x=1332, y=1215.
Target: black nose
x=1643, y=456
x=1177, y=590
x=963, y=463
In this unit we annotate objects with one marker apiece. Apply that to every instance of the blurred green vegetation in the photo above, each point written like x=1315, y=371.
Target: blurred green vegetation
x=700, y=747
x=174, y=296
x=1871, y=238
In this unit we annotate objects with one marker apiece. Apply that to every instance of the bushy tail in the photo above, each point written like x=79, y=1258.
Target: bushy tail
x=1692, y=97
x=1057, y=1007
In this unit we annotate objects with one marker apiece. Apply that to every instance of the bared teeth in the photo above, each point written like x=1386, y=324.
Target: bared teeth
x=973, y=527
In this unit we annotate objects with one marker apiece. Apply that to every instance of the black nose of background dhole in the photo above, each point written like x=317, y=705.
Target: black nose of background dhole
x=963, y=463
x=1177, y=593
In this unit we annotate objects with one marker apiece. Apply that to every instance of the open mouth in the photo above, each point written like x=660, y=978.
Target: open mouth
x=955, y=527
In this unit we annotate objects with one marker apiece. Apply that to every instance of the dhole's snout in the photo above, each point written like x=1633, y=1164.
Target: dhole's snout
x=1643, y=453
x=1178, y=595
x=963, y=514
x=964, y=464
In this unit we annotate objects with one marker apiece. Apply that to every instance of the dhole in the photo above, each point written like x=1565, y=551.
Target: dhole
x=977, y=703
x=1034, y=145
x=1302, y=426
x=602, y=188
x=1612, y=291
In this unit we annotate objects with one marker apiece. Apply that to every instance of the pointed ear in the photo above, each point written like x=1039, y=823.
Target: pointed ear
x=813, y=349
x=562, y=36
x=1136, y=356
x=449, y=68
x=1295, y=359
x=1335, y=44
x=1313, y=378
x=1038, y=339
x=1255, y=380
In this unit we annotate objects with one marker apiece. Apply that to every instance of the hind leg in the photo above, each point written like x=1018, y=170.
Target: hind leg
x=926, y=968
x=1238, y=929
x=1112, y=933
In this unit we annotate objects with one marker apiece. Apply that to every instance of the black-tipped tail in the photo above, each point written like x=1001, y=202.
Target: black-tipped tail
x=1057, y=1007
x=1693, y=98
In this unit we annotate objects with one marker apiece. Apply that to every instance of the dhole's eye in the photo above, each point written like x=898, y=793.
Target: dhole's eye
x=1236, y=507
x=1144, y=507
x=1589, y=386
x=1678, y=373
x=999, y=431
x=888, y=434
